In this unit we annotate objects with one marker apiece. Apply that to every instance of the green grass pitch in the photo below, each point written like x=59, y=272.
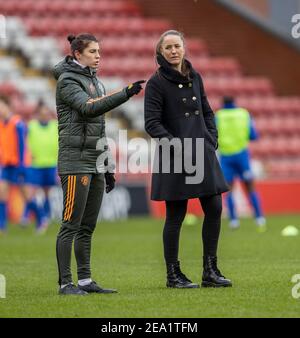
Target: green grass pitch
x=127, y=255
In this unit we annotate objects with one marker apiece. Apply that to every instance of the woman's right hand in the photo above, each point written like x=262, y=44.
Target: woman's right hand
x=134, y=88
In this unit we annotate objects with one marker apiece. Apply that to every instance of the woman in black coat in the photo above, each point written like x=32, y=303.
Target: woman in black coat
x=176, y=108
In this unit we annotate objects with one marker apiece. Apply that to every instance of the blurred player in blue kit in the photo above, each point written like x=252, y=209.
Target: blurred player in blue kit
x=236, y=129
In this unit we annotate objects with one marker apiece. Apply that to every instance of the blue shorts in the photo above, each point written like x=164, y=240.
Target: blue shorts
x=13, y=175
x=237, y=165
x=43, y=177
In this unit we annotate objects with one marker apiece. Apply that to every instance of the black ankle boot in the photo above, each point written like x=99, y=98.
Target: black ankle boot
x=212, y=276
x=176, y=279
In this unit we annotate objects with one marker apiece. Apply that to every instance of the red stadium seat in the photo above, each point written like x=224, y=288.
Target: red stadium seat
x=283, y=168
x=155, y=26
x=278, y=169
x=217, y=66
x=196, y=47
x=24, y=109
x=226, y=86
x=9, y=89
x=290, y=125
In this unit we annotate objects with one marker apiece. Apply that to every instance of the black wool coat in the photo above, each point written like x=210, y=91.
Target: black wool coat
x=176, y=106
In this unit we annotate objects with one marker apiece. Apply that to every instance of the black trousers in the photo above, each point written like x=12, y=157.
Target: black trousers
x=82, y=201
x=176, y=211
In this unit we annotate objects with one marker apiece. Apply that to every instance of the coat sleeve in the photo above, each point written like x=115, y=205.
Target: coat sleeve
x=109, y=164
x=209, y=117
x=73, y=95
x=153, y=105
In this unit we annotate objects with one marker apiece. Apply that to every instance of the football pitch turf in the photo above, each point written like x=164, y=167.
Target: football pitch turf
x=127, y=255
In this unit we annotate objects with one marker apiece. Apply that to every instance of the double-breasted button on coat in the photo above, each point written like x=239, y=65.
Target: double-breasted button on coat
x=177, y=106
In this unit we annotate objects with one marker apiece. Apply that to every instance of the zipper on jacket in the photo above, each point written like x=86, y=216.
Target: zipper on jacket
x=83, y=138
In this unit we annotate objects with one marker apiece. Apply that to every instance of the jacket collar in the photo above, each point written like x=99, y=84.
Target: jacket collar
x=78, y=63
x=167, y=71
x=86, y=69
x=68, y=65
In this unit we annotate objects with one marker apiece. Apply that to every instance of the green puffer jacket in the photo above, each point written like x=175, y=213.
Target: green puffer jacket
x=81, y=104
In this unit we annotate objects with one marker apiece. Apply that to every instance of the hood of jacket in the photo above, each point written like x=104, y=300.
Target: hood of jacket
x=68, y=65
x=172, y=74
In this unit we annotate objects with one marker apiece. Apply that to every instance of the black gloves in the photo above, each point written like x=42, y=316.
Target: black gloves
x=110, y=181
x=134, y=88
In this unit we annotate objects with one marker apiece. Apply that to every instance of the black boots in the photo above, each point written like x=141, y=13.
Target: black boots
x=176, y=279
x=212, y=276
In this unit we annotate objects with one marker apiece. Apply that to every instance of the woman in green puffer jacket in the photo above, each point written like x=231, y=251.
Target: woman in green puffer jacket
x=81, y=104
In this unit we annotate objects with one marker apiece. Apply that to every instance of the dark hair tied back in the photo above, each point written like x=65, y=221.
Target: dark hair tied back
x=71, y=37
x=80, y=42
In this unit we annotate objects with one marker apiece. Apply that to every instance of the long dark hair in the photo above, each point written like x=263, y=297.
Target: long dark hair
x=80, y=42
